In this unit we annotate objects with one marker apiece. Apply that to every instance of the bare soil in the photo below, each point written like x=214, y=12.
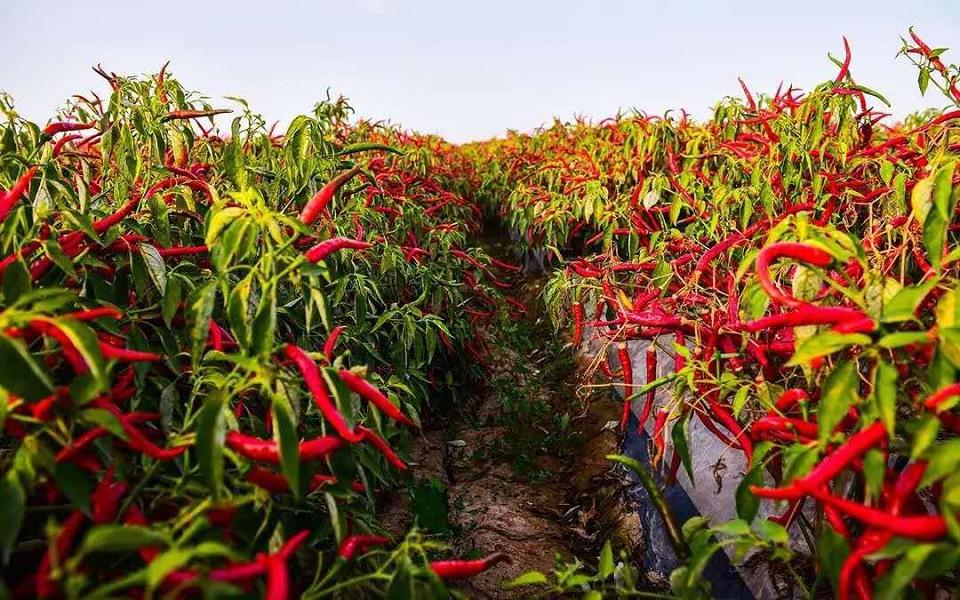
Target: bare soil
x=534, y=503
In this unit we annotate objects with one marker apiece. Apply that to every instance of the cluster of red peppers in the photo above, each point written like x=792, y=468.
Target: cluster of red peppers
x=168, y=398
x=795, y=256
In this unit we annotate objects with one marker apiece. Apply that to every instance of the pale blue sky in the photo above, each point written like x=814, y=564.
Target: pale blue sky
x=466, y=70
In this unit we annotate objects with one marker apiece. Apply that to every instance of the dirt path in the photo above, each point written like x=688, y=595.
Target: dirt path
x=521, y=467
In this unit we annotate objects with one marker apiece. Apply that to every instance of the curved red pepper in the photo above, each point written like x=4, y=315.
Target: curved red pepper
x=374, y=396
x=328, y=247
x=802, y=252
x=360, y=543
x=331, y=342
x=315, y=205
x=311, y=375
x=461, y=569
x=8, y=199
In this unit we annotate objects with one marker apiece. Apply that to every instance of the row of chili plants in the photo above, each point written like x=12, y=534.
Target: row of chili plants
x=797, y=255
x=215, y=346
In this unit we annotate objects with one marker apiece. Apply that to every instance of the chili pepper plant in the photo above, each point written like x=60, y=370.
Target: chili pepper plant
x=215, y=346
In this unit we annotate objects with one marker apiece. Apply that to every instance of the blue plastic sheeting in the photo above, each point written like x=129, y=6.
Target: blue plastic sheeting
x=659, y=557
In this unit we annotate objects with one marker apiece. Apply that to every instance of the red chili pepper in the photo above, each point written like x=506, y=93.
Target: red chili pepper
x=802, y=252
x=193, y=114
x=54, y=128
x=126, y=355
x=267, y=451
x=328, y=247
x=311, y=375
x=59, y=551
x=374, y=396
x=923, y=527
x=136, y=517
x=315, y=205
x=845, y=69
x=789, y=398
x=278, y=578
x=104, y=312
x=79, y=444
x=577, y=324
x=461, y=569
x=751, y=103
x=383, y=447
x=721, y=415
x=857, y=445
x=58, y=147
x=353, y=544
x=105, y=499
x=174, y=251
x=934, y=401
x=332, y=342
x=853, y=320
x=273, y=565
x=520, y=306
x=135, y=439
x=626, y=368
x=505, y=265
x=651, y=364
x=866, y=545
x=8, y=199
x=659, y=425
x=277, y=483
x=161, y=91
x=50, y=328
x=774, y=423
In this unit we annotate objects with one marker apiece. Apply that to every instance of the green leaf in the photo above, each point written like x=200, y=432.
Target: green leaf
x=924, y=434
x=200, y=308
x=85, y=343
x=832, y=550
x=939, y=216
x=16, y=281
x=747, y=503
x=20, y=374
x=172, y=296
x=772, y=532
x=164, y=564
x=900, y=339
x=367, y=146
x=826, y=343
x=75, y=483
x=798, y=460
x=220, y=221
x=740, y=400
x=285, y=432
x=605, y=563
x=874, y=466
x=211, y=433
x=529, y=578
x=949, y=338
x=12, y=508
x=839, y=394
x=401, y=584
x=679, y=436
x=121, y=538
x=265, y=323
x=905, y=302
x=883, y=393
x=893, y=585
x=156, y=268
x=942, y=460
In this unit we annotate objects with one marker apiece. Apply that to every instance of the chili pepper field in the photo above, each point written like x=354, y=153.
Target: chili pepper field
x=644, y=357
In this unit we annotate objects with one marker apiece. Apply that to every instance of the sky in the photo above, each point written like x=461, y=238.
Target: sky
x=467, y=70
